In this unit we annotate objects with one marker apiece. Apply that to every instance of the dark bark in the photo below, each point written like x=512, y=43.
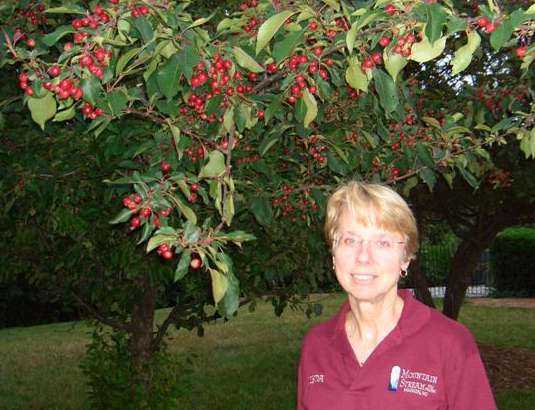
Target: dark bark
x=141, y=326
x=419, y=281
x=465, y=261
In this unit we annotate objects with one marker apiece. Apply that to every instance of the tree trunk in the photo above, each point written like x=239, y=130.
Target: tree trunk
x=419, y=281
x=142, y=326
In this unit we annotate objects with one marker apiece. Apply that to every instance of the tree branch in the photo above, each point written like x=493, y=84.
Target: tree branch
x=115, y=324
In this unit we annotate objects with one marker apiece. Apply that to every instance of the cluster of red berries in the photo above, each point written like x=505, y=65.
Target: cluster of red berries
x=370, y=62
x=102, y=56
x=342, y=23
x=23, y=84
x=315, y=149
x=353, y=94
x=134, y=202
x=251, y=25
x=194, y=187
x=34, y=13
x=64, y=89
x=139, y=11
x=248, y=158
x=486, y=24
x=297, y=88
x=165, y=251
x=195, y=154
x=92, y=21
x=249, y=4
x=285, y=207
x=91, y=112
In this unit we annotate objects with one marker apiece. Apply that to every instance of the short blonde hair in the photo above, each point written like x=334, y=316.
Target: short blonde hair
x=371, y=205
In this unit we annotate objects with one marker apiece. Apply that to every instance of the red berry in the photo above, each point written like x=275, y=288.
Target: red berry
x=312, y=26
x=489, y=28
x=384, y=41
x=145, y=212
x=28, y=91
x=260, y=114
x=54, y=71
x=521, y=52
x=194, y=186
x=195, y=263
x=68, y=46
x=135, y=222
x=482, y=22
x=30, y=42
x=390, y=9
x=377, y=57
x=137, y=198
x=23, y=77
x=167, y=255
x=165, y=167
x=368, y=64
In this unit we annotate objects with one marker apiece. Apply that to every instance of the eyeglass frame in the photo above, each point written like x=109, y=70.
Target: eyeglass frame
x=360, y=243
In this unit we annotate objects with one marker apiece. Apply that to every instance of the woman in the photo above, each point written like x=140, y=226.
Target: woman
x=384, y=349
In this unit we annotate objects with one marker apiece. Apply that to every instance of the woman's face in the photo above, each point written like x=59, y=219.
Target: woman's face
x=368, y=260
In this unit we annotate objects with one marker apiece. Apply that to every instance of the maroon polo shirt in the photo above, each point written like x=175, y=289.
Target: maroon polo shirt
x=427, y=361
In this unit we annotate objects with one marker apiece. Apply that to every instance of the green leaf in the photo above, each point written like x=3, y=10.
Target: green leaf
x=52, y=38
x=71, y=9
x=192, y=232
x=201, y=21
x=424, y=155
x=468, y=177
x=186, y=211
x=501, y=35
x=424, y=51
x=335, y=165
x=158, y=240
x=428, y=176
x=284, y=48
x=168, y=76
x=142, y=25
x=463, y=56
x=228, y=209
x=91, y=88
x=527, y=143
x=387, y=90
x=312, y=107
x=228, y=119
x=215, y=167
x=270, y=27
x=231, y=301
x=355, y=77
x=351, y=36
x=123, y=216
x=116, y=100
x=42, y=109
x=147, y=230
x=436, y=17
x=219, y=284
x=188, y=58
x=125, y=58
x=267, y=143
x=237, y=236
x=394, y=63
x=246, y=61
x=262, y=211
x=183, y=265
x=334, y=4
x=65, y=115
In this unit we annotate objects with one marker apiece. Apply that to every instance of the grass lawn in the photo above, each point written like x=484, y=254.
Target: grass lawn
x=247, y=363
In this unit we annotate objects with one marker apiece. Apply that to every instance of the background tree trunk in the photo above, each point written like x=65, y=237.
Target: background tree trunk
x=419, y=281
x=142, y=326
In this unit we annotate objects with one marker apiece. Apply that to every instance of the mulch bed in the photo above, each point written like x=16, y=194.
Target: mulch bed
x=509, y=367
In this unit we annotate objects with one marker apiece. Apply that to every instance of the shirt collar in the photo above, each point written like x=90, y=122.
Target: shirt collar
x=413, y=317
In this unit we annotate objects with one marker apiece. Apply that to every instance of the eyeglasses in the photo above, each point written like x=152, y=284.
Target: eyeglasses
x=355, y=243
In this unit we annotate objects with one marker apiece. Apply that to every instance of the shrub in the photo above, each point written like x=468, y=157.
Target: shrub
x=513, y=260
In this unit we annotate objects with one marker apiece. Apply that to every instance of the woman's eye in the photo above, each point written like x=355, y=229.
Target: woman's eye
x=383, y=244
x=349, y=241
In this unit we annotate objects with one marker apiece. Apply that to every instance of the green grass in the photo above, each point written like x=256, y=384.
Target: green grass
x=247, y=363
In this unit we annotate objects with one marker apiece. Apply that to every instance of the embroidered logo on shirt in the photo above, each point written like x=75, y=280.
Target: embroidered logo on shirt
x=316, y=378
x=394, y=378
x=409, y=381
